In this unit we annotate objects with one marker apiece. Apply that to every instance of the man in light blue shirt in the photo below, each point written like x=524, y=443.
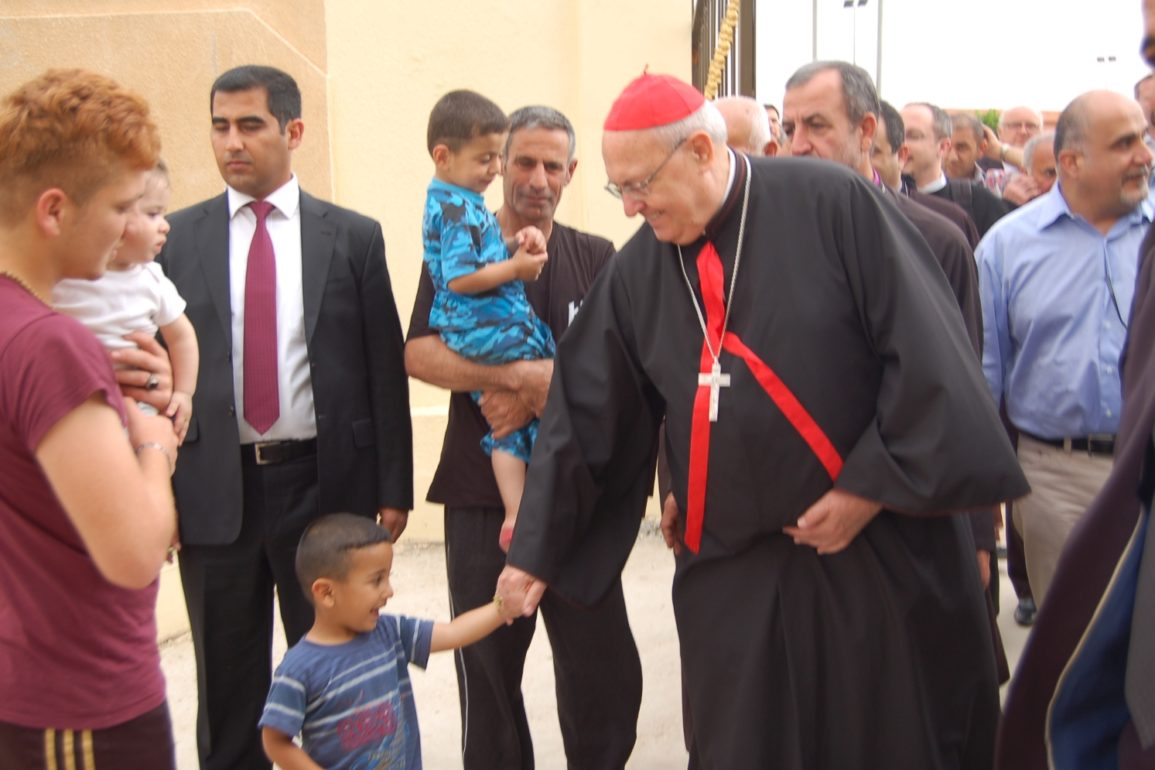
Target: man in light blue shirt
x=1056, y=281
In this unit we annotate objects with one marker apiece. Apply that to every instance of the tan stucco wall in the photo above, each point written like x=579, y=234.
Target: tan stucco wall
x=170, y=52
x=369, y=70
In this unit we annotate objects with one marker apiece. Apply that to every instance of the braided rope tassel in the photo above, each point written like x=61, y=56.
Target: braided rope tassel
x=722, y=49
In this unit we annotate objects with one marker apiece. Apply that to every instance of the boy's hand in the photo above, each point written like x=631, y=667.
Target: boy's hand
x=509, y=611
x=531, y=239
x=179, y=410
x=526, y=266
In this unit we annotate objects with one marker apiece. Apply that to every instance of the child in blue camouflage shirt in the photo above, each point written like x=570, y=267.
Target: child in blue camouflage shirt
x=480, y=308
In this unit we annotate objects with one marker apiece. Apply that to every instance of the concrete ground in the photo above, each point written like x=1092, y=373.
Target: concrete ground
x=419, y=583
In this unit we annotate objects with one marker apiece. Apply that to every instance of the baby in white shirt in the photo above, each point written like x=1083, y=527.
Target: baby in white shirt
x=135, y=296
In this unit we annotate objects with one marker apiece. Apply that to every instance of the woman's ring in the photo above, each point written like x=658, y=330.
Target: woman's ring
x=153, y=382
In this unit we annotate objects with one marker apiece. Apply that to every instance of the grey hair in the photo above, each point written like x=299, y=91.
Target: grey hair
x=1032, y=144
x=1003, y=114
x=858, y=92
x=966, y=120
x=705, y=118
x=759, y=121
x=540, y=116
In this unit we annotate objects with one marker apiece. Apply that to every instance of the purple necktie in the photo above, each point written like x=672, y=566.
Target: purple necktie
x=262, y=404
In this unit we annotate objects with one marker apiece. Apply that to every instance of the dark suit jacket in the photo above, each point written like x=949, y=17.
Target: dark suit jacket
x=355, y=349
x=952, y=211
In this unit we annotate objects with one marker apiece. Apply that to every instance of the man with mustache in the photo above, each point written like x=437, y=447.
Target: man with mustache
x=1082, y=693
x=843, y=95
x=1057, y=278
x=596, y=666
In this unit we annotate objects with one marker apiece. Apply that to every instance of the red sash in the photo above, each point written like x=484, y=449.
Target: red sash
x=710, y=276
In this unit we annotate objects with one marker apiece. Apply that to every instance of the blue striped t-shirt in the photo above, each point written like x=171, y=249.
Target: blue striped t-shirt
x=352, y=703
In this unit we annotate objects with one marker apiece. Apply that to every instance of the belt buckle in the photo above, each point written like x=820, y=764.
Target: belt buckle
x=1103, y=439
x=258, y=452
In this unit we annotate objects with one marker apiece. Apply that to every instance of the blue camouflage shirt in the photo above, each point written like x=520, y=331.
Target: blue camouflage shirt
x=461, y=236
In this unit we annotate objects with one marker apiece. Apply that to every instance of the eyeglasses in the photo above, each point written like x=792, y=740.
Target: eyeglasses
x=639, y=190
x=1021, y=125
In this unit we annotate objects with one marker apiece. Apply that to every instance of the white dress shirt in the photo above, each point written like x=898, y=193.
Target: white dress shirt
x=932, y=187
x=297, y=420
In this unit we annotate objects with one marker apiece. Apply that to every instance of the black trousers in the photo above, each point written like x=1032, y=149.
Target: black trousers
x=1017, y=560
x=229, y=592
x=597, y=671
x=1016, y=556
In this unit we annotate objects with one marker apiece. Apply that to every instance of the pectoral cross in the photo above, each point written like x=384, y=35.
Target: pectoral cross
x=715, y=380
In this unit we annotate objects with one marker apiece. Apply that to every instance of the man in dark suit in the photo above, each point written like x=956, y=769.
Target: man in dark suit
x=302, y=403
x=928, y=141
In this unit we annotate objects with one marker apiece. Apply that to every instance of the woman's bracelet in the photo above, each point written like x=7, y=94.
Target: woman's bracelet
x=160, y=448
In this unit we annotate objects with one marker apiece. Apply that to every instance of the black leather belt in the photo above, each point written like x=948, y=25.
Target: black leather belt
x=1092, y=445
x=273, y=452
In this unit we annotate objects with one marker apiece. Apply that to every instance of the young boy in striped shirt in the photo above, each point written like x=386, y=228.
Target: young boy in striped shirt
x=344, y=688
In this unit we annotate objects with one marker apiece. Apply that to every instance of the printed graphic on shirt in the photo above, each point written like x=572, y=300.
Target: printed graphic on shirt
x=352, y=704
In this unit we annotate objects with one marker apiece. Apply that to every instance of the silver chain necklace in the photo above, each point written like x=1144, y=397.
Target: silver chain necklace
x=715, y=379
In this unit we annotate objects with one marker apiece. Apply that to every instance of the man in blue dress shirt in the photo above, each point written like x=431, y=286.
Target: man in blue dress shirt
x=1056, y=281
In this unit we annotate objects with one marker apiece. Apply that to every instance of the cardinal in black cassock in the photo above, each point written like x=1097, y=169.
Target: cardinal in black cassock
x=821, y=402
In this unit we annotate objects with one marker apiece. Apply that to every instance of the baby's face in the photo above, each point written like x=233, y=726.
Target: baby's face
x=147, y=227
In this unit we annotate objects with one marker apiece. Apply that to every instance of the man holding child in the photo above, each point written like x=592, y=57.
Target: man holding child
x=597, y=670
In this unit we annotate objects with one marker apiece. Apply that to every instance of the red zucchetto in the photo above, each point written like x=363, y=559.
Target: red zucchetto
x=650, y=101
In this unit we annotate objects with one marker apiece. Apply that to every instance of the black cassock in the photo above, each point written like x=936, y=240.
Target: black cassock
x=878, y=656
